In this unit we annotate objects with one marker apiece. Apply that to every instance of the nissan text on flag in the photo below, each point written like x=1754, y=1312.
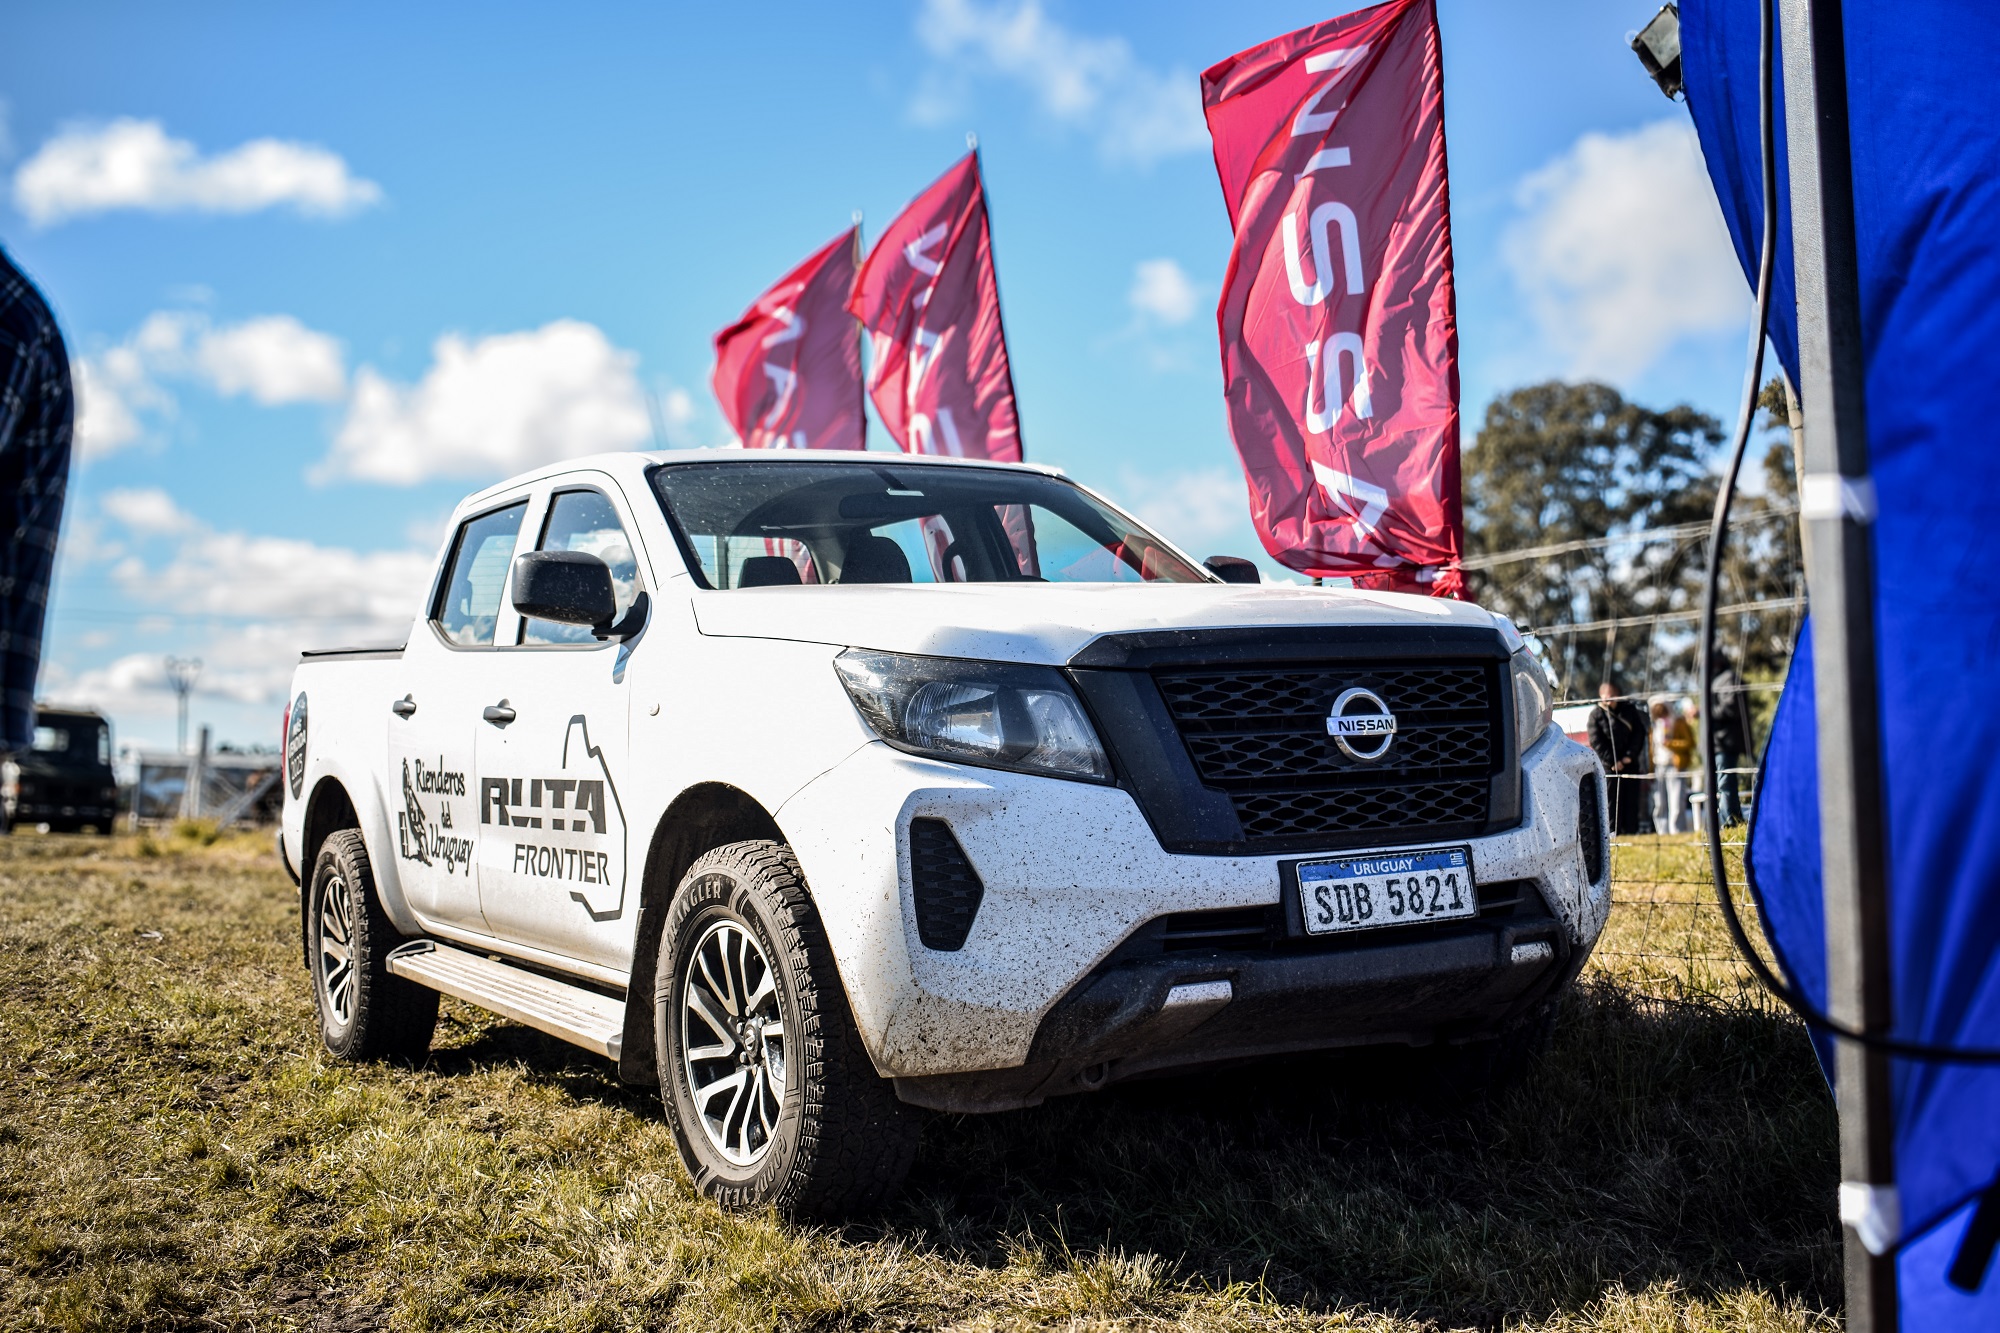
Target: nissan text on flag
x=817, y=787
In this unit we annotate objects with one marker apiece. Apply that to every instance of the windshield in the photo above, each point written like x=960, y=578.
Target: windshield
x=754, y=524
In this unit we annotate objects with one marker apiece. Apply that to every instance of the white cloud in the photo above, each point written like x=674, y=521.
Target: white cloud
x=1162, y=290
x=147, y=512
x=1096, y=84
x=678, y=407
x=1621, y=250
x=274, y=359
x=112, y=390
x=259, y=599
x=134, y=164
x=492, y=407
x=1202, y=512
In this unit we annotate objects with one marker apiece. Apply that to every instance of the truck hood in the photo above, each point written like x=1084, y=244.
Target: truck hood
x=1040, y=622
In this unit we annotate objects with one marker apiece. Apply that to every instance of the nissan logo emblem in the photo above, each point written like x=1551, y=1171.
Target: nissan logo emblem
x=1359, y=716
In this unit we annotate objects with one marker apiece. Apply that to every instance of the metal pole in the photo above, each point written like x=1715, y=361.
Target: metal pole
x=1837, y=504
x=181, y=675
x=197, y=780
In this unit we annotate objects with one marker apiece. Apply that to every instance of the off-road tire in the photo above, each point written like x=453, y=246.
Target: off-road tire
x=843, y=1143
x=387, y=1016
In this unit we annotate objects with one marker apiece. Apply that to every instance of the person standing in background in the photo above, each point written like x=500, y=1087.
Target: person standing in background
x=1618, y=736
x=1673, y=754
x=37, y=418
x=1731, y=736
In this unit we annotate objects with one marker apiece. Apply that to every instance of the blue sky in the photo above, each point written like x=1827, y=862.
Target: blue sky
x=327, y=270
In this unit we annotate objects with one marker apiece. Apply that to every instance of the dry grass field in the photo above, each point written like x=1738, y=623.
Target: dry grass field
x=175, y=1153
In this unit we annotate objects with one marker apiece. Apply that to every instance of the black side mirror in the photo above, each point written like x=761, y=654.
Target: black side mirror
x=568, y=587
x=1233, y=569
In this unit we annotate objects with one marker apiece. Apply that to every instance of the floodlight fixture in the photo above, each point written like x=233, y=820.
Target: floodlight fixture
x=1658, y=46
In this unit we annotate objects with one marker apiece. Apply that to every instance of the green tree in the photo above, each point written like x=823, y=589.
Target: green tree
x=1556, y=464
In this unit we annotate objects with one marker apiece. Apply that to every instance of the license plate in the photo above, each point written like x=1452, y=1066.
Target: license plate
x=1391, y=889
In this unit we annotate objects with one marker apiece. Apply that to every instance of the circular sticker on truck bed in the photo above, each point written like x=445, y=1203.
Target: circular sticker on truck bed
x=295, y=748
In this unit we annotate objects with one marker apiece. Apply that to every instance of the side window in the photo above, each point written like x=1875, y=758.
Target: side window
x=476, y=578
x=585, y=521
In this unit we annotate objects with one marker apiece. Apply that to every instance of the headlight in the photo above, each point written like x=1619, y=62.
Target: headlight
x=991, y=713
x=1534, y=698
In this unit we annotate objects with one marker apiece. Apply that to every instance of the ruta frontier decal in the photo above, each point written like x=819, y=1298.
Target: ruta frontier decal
x=569, y=825
x=417, y=837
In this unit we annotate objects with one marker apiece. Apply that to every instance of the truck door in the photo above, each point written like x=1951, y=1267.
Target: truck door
x=430, y=783
x=554, y=857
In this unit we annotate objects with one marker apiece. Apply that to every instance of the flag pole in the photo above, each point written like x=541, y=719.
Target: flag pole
x=860, y=339
x=1837, y=504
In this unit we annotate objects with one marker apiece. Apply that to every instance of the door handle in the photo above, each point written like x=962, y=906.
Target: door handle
x=499, y=714
x=404, y=707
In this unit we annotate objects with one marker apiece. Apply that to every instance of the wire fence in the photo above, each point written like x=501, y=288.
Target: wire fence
x=1667, y=939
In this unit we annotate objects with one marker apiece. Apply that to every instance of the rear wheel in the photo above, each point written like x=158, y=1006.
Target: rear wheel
x=772, y=1097
x=365, y=1012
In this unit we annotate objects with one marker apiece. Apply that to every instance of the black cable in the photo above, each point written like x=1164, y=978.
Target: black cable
x=1790, y=995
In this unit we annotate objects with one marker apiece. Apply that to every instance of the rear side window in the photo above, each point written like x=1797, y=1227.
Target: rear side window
x=586, y=521
x=77, y=736
x=476, y=578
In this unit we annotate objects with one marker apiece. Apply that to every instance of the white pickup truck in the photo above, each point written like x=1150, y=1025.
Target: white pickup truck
x=813, y=788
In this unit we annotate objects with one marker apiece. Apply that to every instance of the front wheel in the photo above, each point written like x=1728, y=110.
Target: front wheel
x=773, y=1100
x=365, y=1011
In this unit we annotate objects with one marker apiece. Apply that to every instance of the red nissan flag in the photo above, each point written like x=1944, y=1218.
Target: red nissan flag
x=929, y=300
x=1339, y=329
x=788, y=373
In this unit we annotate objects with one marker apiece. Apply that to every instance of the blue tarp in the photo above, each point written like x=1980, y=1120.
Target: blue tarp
x=1924, y=91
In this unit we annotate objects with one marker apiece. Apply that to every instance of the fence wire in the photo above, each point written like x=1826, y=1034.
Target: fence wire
x=1666, y=939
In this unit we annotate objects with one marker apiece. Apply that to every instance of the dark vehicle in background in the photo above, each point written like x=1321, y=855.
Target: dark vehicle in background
x=63, y=779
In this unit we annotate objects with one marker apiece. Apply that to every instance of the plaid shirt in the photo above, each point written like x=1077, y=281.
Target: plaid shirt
x=37, y=411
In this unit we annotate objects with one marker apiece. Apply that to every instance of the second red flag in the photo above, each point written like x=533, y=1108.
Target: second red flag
x=931, y=305
x=788, y=373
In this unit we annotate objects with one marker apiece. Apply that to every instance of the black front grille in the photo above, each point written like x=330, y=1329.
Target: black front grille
x=1259, y=735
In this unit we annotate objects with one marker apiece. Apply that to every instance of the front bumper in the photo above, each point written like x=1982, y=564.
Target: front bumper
x=1135, y=1017
x=1072, y=872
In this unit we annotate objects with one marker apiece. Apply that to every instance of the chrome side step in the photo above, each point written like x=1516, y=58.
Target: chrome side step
x=581, y=1017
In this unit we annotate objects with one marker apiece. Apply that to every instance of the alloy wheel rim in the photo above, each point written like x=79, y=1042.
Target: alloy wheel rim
x=733, y=1042
x=336, y=949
